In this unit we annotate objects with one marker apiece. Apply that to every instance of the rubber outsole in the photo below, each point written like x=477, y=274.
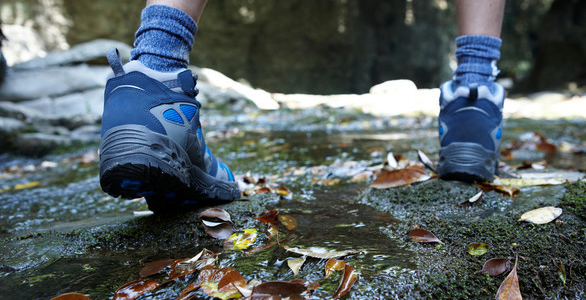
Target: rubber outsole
x=136, y=162
x=468, y=162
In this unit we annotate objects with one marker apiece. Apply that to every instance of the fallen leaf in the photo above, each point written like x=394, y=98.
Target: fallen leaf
x=155, y=267
x=325, y=182
x=284, y=192
x=270, y=217
x=189, y=291
x=71, y=296
x=477, y=249
x=476, y=198
x=215, y=213
x=217, y=223
x=541, y=215
x=509, y=289
x=334, y=265
x=240, y=240
x=389, y=179
x=295, y=264
x=318, y=252
x=221, y=282
x=507, y=190
x=421, y=235
x=496, y=266
x=391, y=161
x=184, y=267
x=287, y=220
x=348, y=279
x=426, y=161
x=521, y=182
x=135, y=288
x=282, y=289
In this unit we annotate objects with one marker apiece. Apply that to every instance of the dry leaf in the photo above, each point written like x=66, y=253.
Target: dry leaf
x=135, y=288
x=334, y=265
x=221, y=282
x=287, y=220
x=421, y=235
x=281, y=289
x=477, y=249
x=426, y=161
x=395, y=178
x=509, y=289
x=183, y=267
x=507, y=190
x=526, y=182
x=391, y=161
x=322, y=253
x=71, y=296
x=155, y=267
x=496, y=266
x=476, y=198
x=217, y=223
x=189, y=291
x=270, y=217
x=348, y=279
x=295, y=264
x=240, y=240
x=541, y=215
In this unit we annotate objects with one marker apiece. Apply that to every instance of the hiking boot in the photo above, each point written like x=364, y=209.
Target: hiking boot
x=470, y=131
x=152, y=143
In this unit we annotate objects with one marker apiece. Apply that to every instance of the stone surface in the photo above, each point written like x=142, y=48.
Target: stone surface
x=52, y=82
x=93, y=50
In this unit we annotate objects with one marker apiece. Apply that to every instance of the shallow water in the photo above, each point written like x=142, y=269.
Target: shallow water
x=67, y=197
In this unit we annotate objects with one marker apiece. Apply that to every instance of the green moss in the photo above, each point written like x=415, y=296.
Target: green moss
x=574, y=199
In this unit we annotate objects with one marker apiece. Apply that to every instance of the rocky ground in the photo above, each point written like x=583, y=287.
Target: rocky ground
x=62, y=234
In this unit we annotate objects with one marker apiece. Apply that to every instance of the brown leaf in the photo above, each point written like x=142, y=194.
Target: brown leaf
x=348, y=280
x=270, y=217
x=507, y=190
x=278, y=289
x=421, y=235
x=221, y=282
x=135, y=288
x=155, y=267
x=496, y=266
x=389, y=179
x=189, y=291
x=215, y=213
x=287, y=220
x=217, y=223
x=509, y=289
x=184, y=267
x=334, y=265
x=71, y=296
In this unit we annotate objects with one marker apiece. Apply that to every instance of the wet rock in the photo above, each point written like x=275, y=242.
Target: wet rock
x=90, y=51
x=10, y=125
x=52, y=82
x=39, y=144
x=19, y=112
x=87, y=133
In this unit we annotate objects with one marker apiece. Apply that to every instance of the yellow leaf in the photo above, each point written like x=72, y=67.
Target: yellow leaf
x=295, y=264
x=240, y=240
x=541, y=215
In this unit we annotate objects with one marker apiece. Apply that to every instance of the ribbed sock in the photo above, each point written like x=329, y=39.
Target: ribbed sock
x=164, y=39
x=477, y=56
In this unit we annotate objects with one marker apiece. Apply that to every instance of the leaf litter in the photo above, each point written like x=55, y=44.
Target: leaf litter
x=421, y=235
x=541, y=215
x=496, y=266
x=509, y=288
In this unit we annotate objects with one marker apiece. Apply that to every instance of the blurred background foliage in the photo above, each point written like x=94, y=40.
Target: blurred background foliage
x=335, y=46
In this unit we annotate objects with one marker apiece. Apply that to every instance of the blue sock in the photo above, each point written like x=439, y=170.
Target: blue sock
x=477, y=56
x=165, y=38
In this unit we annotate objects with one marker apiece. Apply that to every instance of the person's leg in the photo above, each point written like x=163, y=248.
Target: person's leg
x=470, y=120
x=152, y=142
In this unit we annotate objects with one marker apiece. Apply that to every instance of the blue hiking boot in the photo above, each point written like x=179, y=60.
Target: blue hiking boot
x=152, y=143
x=470, y=131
